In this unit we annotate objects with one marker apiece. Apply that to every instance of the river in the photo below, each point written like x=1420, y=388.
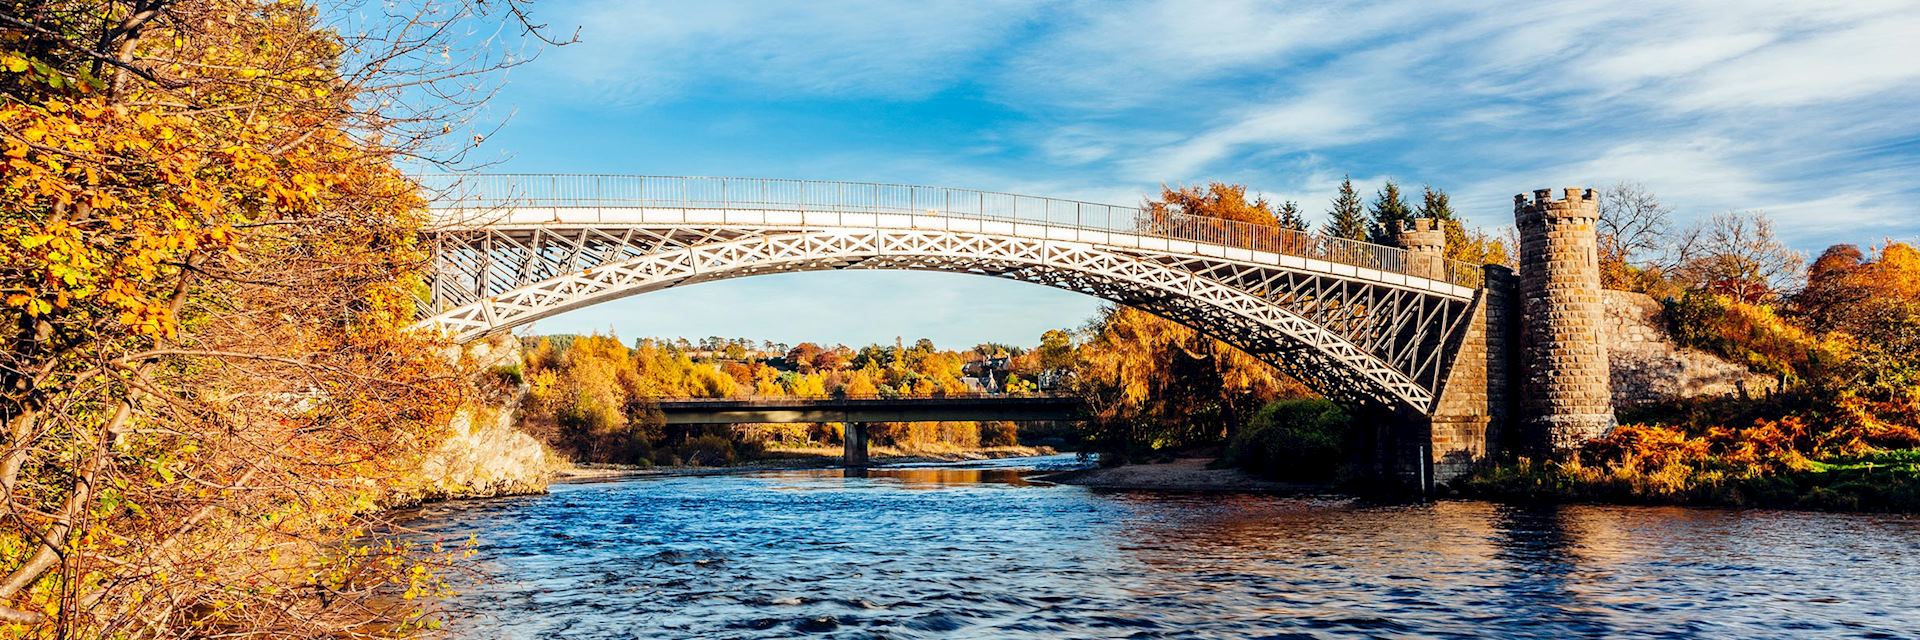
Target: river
x=984, y=553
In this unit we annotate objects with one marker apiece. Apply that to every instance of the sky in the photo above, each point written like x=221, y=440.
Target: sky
x=1803, y=110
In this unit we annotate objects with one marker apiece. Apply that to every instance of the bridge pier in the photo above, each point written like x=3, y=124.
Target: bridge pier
x=1471, y=408
x=853, y=439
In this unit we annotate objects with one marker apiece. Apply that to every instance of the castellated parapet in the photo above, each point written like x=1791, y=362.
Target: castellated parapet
x=1426, y=245
x=1567, y=397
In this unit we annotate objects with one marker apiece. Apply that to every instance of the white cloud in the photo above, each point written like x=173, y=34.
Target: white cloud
x=1119, y=54
x=1079, y=144
x=1874, y=56
x=1666, y=59
x=1310, y=122
x=1859, y=217
x=1707, y=101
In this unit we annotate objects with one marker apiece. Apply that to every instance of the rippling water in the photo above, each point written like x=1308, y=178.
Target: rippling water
x=981, y=553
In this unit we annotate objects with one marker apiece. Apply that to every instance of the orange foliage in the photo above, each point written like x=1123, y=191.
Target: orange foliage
x=208, y=269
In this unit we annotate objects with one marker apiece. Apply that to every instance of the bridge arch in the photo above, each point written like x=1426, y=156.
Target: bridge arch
x=1345, y=318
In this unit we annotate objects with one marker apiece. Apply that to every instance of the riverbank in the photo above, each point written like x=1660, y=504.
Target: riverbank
x=1885, y=482
x=785, y=459
x=1180, y=474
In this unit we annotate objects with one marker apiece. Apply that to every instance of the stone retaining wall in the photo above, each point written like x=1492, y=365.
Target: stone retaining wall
x=1648, y=367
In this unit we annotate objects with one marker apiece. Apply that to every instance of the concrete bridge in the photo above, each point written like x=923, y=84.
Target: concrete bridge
x=951, y=408
x=1427, y=347
x=856, y=412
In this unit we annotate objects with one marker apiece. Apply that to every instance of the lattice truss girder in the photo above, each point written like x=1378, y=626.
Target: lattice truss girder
x=1351, y=338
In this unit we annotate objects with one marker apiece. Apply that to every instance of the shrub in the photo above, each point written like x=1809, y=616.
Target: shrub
x=1749, y=334
x=749, y=450
x=708, y=451
x=510, y=374
x=1305, y=440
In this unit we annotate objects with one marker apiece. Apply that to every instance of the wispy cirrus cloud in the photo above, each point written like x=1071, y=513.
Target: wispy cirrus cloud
x=1797, y=108
x=1716, y=103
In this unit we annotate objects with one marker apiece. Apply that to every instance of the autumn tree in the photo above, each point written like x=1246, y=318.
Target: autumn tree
x=209, y=264
x=1635, y=231
x=1736, y=254
x=1056, y=350
x=860, y=385
x=801, y=357
x=1837, y=285
x=1346, y=219
x=1154, y=383
x=1216, y=201
x=1633, y=223
x=829, y=360
x=1848, y=350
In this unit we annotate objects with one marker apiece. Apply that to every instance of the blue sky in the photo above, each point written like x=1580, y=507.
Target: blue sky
x=1803, y=110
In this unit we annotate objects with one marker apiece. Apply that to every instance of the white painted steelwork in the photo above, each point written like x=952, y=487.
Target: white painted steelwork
x=1341, y=316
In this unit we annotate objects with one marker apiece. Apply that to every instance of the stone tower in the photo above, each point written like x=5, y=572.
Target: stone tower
x=1566, y=396
x=1426, y=245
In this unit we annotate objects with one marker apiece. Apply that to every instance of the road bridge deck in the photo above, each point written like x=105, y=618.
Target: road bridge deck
x=954, y=408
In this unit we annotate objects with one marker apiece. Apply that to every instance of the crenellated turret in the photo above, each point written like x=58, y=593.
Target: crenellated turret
x=1566, y=397
x=1426, y=245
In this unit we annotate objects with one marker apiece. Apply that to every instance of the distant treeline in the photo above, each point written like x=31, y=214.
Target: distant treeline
x=590, y=396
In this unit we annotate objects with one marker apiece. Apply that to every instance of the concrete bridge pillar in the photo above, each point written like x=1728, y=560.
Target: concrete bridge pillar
x=1426, y=245
x=1566, y=395
x=853, y=437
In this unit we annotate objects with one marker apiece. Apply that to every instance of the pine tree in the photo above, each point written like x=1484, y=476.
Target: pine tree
x=1435, y=205
x=1346, y=219
x=1290, y=217
x=1390, y=214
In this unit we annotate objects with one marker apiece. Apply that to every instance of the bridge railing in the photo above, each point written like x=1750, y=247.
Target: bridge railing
x=481, y=192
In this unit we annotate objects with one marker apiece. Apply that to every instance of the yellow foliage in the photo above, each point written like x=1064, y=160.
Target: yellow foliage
x=210, y=281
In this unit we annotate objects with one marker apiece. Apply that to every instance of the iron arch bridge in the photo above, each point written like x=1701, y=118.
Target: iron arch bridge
x=1350, y=319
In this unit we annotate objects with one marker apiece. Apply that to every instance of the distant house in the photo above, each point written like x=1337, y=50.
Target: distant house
x=989, y=375
x=980, y=368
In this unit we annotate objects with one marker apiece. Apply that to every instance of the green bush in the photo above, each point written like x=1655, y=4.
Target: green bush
x=1299, y=440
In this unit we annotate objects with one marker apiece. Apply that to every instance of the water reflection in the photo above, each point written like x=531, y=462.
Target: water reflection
x=958, y=552
x=1541, y=565
x=906, y=478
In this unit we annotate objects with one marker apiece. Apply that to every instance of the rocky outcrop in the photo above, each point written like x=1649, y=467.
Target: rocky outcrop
x=1649, y=367
x=484, y=455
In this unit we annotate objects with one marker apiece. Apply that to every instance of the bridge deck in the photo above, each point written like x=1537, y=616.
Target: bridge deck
x=506, y=199
x=875, y=409
x=1357, y=321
